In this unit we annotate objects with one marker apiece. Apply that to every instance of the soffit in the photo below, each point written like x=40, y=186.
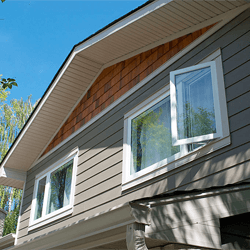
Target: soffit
x=154, y=24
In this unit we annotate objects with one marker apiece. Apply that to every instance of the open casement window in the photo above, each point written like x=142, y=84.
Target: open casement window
x=181, y=122
x=54, y=192
x=195, y=112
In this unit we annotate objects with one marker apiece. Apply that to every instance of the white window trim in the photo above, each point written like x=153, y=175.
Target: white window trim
x=176, y=141
x=64, y=211
x=129, y=181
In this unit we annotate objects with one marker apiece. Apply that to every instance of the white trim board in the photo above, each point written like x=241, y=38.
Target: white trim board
x=70, y=112
x=123, y=23
x=40, y=105
x=227, y=19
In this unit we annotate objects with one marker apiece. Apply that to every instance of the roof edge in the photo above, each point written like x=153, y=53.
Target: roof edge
x=59, y=70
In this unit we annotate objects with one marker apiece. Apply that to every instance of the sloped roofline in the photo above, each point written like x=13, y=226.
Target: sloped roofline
x=64, y=63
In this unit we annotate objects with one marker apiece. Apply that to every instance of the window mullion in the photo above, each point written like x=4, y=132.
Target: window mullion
x=35, y=201
x=46, y=193
x=184, y=149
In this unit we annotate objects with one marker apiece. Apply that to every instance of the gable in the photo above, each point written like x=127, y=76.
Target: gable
x=116, y=80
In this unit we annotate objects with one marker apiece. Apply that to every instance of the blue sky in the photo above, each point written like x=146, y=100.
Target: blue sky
x=36, y=37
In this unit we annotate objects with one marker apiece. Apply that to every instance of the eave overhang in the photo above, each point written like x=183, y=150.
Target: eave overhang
x=105, y=227
x=152, y=24
x=7, y=241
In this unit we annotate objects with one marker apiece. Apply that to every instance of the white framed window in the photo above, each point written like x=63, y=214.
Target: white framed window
x=54, y=191
x=183, y=121
x=195, y=108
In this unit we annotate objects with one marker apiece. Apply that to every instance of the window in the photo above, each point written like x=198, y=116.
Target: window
x=184, y=120
x=194, y=109
x=54, y=191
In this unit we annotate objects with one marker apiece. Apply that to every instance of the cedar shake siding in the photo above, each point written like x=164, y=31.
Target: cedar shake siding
x=99, y=170
x=116, y=80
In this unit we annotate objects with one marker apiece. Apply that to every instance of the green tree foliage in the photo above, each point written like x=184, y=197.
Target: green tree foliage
x=10, y=201
x=12, y=118
x=7, y=83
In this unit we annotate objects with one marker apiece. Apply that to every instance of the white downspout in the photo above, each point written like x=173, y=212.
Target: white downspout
x=135, y=237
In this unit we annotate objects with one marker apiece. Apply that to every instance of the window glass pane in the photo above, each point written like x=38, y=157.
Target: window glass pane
x=39, y=198
x=195, y=103
x=60, y=187
x=151, y=139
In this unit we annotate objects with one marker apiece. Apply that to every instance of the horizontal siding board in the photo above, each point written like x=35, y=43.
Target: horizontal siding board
x=239, y=104
x=28, y=199
x=23, y=218
x=116, y=168
x=237, y=74
x=105, y=164
x=26, y=207
x=235, y=61
x=237, y=89
x=97, y=200
x=239, y=120
x=100, y=140
x=99, y=188
x=106, y=146
x=228, y=176
x=236, y=46
x=100, y=157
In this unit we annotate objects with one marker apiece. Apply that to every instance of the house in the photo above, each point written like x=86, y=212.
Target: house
x=142, y=139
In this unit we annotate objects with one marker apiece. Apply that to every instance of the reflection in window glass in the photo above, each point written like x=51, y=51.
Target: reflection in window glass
x=151, y=139
x=195, y=105
x=39, y=198
x=60, y=187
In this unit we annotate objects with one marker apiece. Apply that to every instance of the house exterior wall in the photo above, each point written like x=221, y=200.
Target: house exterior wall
x=99, y=172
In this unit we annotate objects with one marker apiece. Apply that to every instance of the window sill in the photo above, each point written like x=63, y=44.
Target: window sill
x=149, y=173
x=52, y=218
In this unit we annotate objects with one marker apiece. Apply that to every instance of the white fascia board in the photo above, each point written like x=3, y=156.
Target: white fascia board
x=40, y=105
x=122, y=23
x=13, y=174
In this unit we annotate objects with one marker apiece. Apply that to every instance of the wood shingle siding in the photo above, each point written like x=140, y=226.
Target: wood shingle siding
x=99, y=172
x=116, y=80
